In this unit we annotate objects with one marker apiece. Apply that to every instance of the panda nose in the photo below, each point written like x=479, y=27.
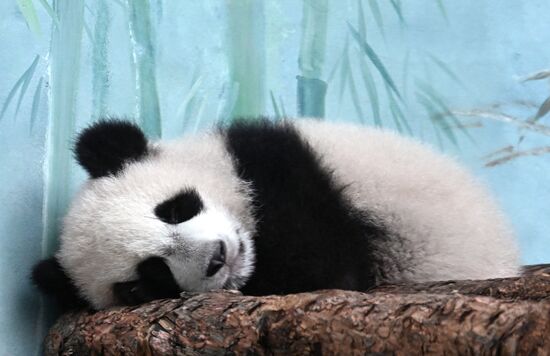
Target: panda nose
x=217, y=261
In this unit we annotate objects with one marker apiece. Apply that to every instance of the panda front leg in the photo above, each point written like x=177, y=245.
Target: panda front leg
x=155, y=282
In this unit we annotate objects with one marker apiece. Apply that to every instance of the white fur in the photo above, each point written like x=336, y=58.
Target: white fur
x=452, y=228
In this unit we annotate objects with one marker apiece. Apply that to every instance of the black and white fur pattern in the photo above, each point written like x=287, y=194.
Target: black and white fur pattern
x=269, y=208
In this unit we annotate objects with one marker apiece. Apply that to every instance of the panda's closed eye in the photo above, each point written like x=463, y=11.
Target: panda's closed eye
x=181, y=207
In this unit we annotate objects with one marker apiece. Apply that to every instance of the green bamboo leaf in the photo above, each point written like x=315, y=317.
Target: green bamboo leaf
x=36, y=102
x=198, y=114
x=50, y=11
x=28, y=77
x=396, y=110
x=446, y=70
x=187, y=108
x=344, y=73
x=361, y=19
x=405, y=78
x=445, y=112
x=374, y=59
x=353, y=92
x=23, y=83
x=442, y=9
x=88, y=32
x=282, y=104
x=375, y=9
x=227, y=101
x=543, y=109
x=335, y=68
x=275, y=107
x=371, y=91
x=435, y=116
x=398, y=10
x=120, y=3
x=29, y=13
x=538, y=76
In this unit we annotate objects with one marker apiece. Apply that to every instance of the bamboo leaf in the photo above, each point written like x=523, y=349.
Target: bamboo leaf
x=532, y=152
x=442, y=9
x=282, y=104
x=398, y=10
x=29, y=13
x=538, y=76
x=275, y=107
x=372, y=92
x=335, y=68
x=50, y=11
x=502, y=117
x=361, y=19
x=396, y=109
x=227, y=101
x=375, y=9
x=344, y=73
x=374, y=59
x=435, y=116
x=446, y=70
x=23, y=83
x=543, y=109
x=36, y=103
x=187, y=108
x=353, y=92
x=28, y=77
x=445, y=112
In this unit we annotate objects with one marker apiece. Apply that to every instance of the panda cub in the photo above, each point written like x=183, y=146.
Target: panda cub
x=268, y=208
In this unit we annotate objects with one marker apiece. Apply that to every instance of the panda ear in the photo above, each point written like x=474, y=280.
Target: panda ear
x=51, y=279
x=105, y=147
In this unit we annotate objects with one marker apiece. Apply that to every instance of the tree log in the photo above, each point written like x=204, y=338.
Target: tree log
x=500, y=316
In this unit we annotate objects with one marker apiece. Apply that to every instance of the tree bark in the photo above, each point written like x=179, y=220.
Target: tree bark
x=500, y=316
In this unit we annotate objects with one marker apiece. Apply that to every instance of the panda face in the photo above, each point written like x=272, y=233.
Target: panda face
x=158, y=206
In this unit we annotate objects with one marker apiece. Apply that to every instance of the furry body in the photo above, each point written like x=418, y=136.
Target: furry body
x=282, y=208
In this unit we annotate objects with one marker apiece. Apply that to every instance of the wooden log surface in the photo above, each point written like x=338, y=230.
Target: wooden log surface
x=500, y=316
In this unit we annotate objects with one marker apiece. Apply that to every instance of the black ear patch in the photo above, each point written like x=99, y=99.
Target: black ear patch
x=103, y=148
x=51, y=279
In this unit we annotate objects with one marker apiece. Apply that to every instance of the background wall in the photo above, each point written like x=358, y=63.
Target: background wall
x=470, y=77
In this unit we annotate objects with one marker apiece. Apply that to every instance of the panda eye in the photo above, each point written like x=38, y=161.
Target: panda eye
x=181, y=207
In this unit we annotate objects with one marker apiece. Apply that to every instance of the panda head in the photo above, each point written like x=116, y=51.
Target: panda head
x=154, y=219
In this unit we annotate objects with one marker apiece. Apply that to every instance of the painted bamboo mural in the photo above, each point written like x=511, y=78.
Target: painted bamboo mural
x=141, y=31
x=422, y=70
x=100, y=60
x=64, y=78
x=246, y=56
x=311, y=88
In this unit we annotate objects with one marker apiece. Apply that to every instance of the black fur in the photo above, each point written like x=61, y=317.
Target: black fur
x=155, y=282
x=106, y=146
x=181, y=207
x=51, y=279
x=308, y=234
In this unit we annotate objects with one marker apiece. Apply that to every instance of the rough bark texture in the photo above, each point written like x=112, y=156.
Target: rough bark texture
x=501, y=316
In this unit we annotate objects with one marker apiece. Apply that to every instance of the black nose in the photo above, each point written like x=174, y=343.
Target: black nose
x=217, y=261
x=180, y=208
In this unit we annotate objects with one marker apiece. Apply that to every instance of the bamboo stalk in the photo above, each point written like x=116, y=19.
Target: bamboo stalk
x=246, y=56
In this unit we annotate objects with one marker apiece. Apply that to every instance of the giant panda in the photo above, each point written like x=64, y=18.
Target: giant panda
x=268, y=208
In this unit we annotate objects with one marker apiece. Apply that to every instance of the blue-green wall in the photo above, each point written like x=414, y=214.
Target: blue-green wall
x=180, y=66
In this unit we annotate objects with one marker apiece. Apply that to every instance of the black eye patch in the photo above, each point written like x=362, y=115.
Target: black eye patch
x=181, y=207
